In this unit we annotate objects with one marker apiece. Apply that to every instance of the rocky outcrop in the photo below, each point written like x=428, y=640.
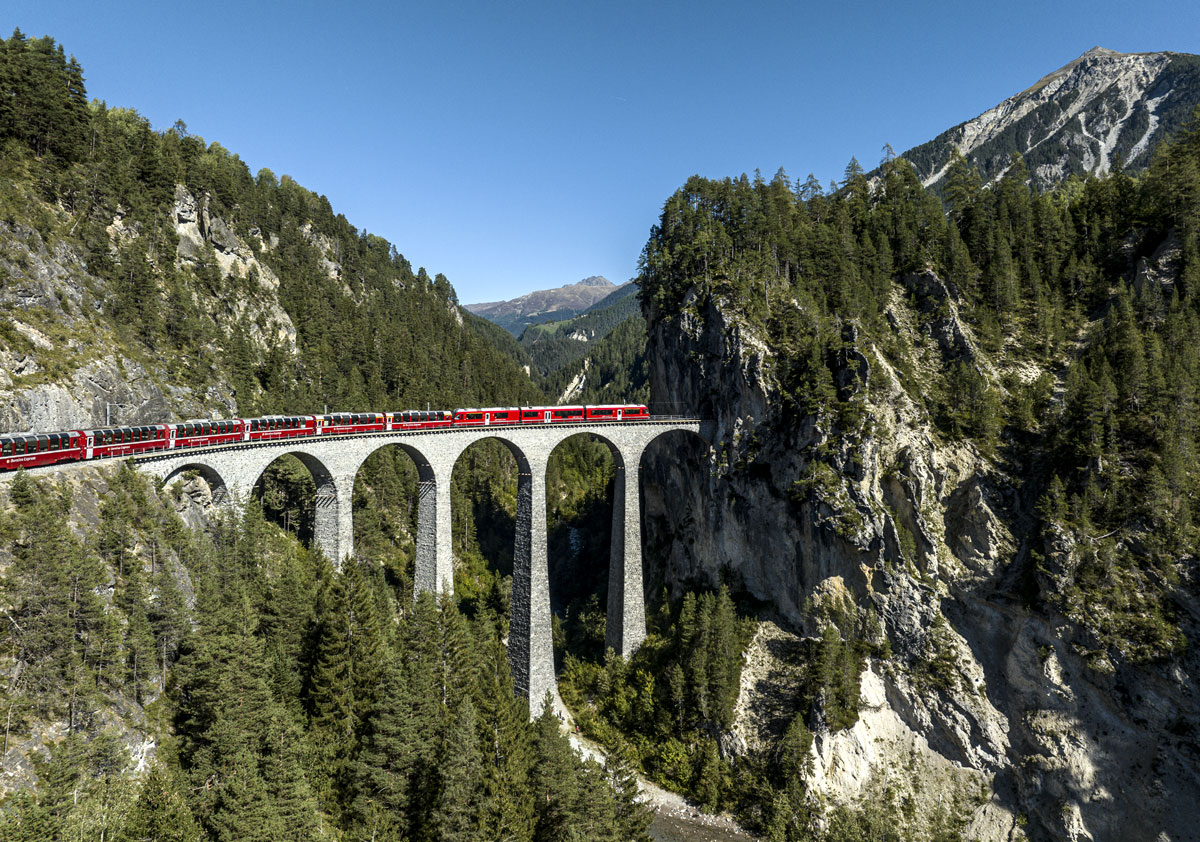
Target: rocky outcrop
x=1082, y=118
x=980, y=696
x=63, y=364
x=57, y=367
x=204, y=237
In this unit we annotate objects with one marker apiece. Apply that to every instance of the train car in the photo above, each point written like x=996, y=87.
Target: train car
x=350, y=423
x=206, y=432
x=419, y=419
x=125, y=441
x=37, y=449
x=615, y=412
x=275, y=427
x=492, y=416
x=566, y=414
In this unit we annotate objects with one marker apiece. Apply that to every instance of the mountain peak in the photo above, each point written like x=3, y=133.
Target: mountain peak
x=1078, y=119
x=545, y=305
x=595, y=281
x=1100, y=51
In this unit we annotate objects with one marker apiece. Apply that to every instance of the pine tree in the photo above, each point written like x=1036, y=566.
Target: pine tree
x=347, y=671
x=554, y=780
x=386, y=760
x=294, y=805
x=507, y=805
x=456, y=812
x=160, y=813
x=709, y=785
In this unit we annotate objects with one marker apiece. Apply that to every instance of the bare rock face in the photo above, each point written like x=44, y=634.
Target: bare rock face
x=62, y=365
x=57, y=370
x=207, y=238
x=103, y=391
x=1102, y=107
x=980, y=697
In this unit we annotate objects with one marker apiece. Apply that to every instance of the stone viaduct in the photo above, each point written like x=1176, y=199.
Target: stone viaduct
x=233, y=471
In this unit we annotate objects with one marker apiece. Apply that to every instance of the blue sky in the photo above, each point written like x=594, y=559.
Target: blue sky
x=516, y=145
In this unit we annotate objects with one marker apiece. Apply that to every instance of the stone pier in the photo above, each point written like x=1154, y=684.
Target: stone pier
x=334, y=462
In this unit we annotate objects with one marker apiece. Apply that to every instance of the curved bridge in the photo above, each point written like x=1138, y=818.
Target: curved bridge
x=232, y=472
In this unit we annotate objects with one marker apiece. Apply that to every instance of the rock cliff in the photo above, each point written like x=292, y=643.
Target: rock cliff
x=987, y=700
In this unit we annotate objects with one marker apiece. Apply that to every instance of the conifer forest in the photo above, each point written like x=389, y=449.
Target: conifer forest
x=968, y=409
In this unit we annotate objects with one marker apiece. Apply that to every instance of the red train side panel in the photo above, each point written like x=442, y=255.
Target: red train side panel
x=35, y=450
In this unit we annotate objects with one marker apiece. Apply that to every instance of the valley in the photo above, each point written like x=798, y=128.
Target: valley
x=921, y=564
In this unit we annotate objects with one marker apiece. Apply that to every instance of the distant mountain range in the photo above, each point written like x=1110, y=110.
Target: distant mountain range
x=553, y=345
x=546, y=305
x=1076, y=120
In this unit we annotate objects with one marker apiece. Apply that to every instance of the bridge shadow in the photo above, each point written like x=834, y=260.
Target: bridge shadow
x=579, y=516
x=673, y=471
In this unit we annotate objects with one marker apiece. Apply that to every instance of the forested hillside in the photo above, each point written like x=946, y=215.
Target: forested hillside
x=200, y=278
x=1054, y=289
x=260, y=694
x=932, y=576
x=957, y=440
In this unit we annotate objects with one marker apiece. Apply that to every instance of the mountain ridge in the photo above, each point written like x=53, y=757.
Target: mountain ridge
x=545, y=305
x=1078, y=119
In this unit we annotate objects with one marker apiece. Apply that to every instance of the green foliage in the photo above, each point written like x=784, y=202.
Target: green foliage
x=44, y=102
x=303, y=702
x=372, y=334
x=613, y=370
x=1039, y=281
x=829, y=687
x=679, y=688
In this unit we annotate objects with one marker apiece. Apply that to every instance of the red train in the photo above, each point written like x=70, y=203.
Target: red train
x=33, y=450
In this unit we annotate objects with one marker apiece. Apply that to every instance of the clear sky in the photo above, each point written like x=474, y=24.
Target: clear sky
x=518, y=145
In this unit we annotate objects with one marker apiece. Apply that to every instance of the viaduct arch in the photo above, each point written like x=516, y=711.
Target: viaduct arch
x=334, y=462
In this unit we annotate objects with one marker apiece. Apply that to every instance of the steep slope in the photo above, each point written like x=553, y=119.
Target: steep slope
x=149, y=275
x=544, y=305
x=1078, y=119
x=967, y=445
x=555, y=345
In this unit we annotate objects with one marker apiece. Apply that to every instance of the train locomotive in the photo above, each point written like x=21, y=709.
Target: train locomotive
x=38, y=449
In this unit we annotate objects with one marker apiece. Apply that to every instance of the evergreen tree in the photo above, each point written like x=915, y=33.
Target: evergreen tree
x=160, y=813
x=456, y=813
